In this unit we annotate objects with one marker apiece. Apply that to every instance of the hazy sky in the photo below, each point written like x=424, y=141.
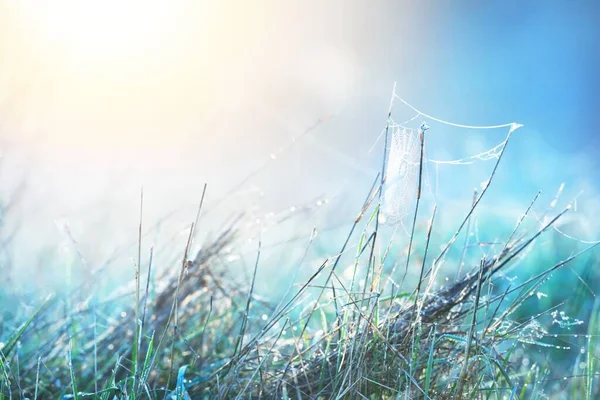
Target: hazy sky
x=99, y=98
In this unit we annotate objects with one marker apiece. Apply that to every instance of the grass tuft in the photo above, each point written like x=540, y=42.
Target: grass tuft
x=360, y=333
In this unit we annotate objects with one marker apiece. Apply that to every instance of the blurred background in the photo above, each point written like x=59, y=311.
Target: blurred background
x=276, y=105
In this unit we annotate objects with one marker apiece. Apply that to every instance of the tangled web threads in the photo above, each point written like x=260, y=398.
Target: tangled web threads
x=401, y=174
x=403, y=162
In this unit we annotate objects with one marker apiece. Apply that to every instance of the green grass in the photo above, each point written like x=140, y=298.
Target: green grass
x=376, y=335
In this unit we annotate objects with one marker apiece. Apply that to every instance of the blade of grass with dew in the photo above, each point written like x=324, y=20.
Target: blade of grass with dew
x=471, y=332
x=240, y=338
x=138, y=316
x=108, y=390
x=528, y=378
x=422, y=130
x=418, y=306
x=16, y=336
x=180, y=390
x=72, y=372
x=430, y=362
x=323, y=363
x=146, y=367
x=113, y=377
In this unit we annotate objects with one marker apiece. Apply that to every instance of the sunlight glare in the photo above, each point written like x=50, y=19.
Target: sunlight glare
x=100, y=29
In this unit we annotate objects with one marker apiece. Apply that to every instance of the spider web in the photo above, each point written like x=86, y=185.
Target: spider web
x=400, y=190
x=401, y=174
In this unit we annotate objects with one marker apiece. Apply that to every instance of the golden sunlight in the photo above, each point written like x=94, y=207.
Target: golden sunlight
x=99, y=29
x=115, y=73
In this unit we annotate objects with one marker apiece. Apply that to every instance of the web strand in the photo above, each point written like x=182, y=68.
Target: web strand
x=402, y=169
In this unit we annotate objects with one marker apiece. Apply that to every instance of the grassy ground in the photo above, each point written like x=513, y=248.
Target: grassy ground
x=201, y=331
